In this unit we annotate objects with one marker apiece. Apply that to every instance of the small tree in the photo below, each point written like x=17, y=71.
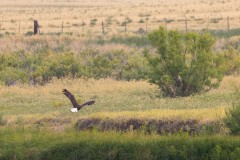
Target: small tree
x=232, y=120
x=184, y=63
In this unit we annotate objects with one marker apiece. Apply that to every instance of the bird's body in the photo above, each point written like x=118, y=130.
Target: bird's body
x=76, y=106
x=74, y=110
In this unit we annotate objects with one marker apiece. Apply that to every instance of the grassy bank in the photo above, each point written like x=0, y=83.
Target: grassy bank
x=32, y=143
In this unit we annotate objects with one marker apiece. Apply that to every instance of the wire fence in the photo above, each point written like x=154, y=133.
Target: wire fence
x=96, y=27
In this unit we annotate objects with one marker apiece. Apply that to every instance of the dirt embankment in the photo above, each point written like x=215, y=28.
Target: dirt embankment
x=148, y=125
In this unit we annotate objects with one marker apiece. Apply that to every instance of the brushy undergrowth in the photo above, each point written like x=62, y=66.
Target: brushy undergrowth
x=38, y=144
x=39, y=59
x=36, y=60
x=41, y=67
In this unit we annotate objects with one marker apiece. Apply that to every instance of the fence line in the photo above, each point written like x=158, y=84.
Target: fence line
x=113, y=27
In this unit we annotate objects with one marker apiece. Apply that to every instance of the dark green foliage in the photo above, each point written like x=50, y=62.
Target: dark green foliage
x=41, y=67
x=230, y=60
x=36, y=143
x=184, y=63
x=232, y=120
x=171, y=149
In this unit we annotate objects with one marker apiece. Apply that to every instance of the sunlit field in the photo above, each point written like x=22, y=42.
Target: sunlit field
x=86, y=17
x=113, y=99
x=98, y=51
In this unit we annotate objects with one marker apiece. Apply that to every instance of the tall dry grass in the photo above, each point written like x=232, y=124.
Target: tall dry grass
x=113, y=99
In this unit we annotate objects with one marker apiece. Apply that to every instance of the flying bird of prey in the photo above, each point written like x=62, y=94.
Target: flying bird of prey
x=76, y=106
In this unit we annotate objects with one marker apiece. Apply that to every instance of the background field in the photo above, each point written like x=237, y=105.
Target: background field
x=85, y=17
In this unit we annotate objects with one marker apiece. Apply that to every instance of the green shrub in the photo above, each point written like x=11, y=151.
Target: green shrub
x=184, y=63
x=41, y=67
x=230, y=58
x=10, y=76
x=232, y=120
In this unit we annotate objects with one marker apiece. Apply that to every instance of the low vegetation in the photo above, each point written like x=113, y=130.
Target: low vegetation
x=32, y=143
x=232, y=120
x=41, y=67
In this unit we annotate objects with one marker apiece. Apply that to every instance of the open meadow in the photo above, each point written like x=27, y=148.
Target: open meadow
x=99, y=50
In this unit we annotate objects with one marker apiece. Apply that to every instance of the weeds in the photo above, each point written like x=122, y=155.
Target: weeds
x=42, y=144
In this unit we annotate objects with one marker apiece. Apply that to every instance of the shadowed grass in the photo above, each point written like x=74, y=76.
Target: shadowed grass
x=33, y=143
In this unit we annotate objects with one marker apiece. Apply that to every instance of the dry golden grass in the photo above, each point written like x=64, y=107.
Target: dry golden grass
x=203, y=114
x=74, y=44
x=114, y=99
x=50, y=14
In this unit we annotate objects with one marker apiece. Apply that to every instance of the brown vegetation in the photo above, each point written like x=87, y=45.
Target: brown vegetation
x=161, y=126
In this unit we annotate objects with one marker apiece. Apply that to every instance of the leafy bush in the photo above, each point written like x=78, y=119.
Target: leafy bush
x=232, y=120
x=230, y=58
x=184, y=63
x=10, y=76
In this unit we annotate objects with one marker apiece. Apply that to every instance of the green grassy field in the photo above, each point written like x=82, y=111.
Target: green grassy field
x=113, y=98
x=24, y=108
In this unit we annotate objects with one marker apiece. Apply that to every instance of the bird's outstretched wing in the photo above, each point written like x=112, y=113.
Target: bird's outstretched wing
x=71, y=97
x=87, y=103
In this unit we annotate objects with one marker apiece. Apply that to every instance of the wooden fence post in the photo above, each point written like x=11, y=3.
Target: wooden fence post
x=228, y=23
x=146, y=26
x=102, y=27
x=62, y=27
x=36, y=27
x=165, y=23
x=186, y=24
x=83, y=23
x=125, y=25
x=208, y=23
x=19, y=28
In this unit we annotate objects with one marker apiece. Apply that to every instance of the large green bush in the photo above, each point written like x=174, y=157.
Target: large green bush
x=184, y=63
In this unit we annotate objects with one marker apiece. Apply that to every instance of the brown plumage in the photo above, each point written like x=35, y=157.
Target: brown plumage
x=74, y=102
